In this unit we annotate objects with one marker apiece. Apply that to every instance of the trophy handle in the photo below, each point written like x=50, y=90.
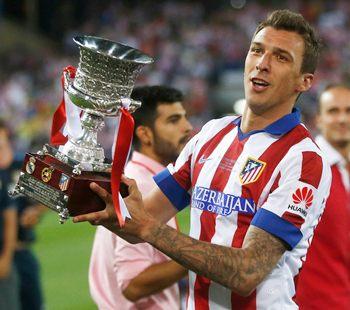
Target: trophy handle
x=95, y=104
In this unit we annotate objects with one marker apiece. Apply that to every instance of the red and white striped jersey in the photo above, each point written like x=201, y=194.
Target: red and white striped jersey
x=276, y=179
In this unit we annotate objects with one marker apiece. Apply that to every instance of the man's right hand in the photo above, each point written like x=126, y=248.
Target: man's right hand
x=106, y=217
x=155, y=207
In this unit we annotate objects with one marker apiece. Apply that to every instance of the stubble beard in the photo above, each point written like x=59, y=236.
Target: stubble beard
x=166, y=151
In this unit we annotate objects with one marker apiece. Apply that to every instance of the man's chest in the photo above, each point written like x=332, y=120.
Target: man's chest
x=229, y=177
x=224, y=199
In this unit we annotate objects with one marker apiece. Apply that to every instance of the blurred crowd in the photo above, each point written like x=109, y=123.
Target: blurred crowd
x=199, y=47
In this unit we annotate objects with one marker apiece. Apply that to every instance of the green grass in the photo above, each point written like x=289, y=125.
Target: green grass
x=183, y=219
x=64, y=253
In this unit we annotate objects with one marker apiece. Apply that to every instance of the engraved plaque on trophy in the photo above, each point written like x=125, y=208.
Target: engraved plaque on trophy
x=59, y=177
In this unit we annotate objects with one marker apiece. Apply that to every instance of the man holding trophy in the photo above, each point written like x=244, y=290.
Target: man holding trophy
x=257, y=184
x=60, y=174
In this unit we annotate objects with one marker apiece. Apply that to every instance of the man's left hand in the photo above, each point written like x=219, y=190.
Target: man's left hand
x=140, y=219
x=135, y=226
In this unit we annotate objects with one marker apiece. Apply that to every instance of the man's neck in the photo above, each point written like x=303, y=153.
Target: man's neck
x=253, y=121
x=343, y=149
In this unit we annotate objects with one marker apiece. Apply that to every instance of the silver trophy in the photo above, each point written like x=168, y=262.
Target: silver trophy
x=105, y=77
x=103, y=82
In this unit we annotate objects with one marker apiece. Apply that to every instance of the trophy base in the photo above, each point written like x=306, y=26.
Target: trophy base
x=61, y=187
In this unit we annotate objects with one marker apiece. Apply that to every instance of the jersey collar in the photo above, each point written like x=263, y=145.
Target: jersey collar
x=279, y=127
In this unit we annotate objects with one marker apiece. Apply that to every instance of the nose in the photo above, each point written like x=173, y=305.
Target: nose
x=343, y=118
x=263, y=63
x=187, y=126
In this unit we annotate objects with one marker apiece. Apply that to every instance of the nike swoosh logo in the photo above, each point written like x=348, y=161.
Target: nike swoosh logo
x=202, y=160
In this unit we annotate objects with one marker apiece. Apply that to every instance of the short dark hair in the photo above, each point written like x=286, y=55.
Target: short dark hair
x=151, y=97
x=295, y=22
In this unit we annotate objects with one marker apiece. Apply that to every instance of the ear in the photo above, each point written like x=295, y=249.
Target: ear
x=145, y=135
x=305, y=84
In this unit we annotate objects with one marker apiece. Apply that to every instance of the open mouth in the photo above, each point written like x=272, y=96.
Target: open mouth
x=259, y=84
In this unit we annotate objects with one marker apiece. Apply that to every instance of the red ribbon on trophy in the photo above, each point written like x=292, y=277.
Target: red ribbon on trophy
x=66, y=121
x=60, y=117
x=121, y=152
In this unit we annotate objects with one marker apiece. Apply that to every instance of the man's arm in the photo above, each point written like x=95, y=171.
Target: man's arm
x=154, y=279
x=159, y=206
x=240, y=270
x=9, y=240
x=156, y=204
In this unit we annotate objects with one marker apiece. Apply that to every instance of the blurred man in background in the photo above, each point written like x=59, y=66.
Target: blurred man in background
x=324, y=282
x=9, y=292
x=126, y=276
x=28, y=214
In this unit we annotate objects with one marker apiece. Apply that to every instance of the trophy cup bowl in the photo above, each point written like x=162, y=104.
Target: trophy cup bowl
x=60, y=178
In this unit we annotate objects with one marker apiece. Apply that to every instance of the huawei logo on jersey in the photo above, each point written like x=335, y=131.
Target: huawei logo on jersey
x=296, y=212
x=304, y=195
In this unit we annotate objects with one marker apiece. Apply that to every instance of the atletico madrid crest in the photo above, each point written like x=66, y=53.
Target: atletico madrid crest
x=251, y=171
x=64, y=181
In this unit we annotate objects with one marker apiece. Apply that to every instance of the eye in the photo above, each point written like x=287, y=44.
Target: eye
x=256, y=50
x=174, y=119
x=333, y=111
x=281, y=57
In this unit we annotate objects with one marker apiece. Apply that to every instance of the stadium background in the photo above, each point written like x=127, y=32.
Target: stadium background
x=199, y=47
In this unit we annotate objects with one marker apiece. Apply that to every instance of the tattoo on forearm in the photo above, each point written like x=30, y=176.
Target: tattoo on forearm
x=237, y=269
